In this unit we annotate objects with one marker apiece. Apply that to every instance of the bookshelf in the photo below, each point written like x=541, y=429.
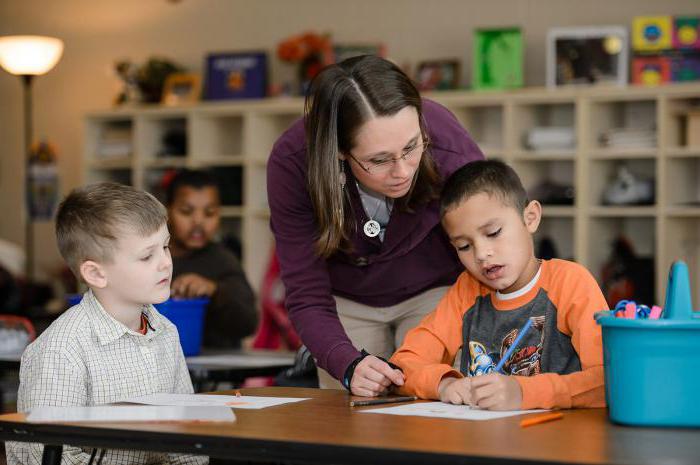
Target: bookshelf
x=235, y=138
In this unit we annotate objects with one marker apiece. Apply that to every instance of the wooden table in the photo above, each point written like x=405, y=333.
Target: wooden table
x=326, y=430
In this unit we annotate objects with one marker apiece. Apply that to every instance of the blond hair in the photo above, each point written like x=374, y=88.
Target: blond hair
x=91, y=218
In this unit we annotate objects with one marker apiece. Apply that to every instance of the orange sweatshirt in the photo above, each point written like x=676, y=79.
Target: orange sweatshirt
x=558, y=363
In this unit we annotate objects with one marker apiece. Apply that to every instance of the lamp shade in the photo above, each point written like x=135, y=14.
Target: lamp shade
x=29, y=55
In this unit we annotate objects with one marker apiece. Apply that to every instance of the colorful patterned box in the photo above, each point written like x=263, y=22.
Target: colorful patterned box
x=686, y=32
x=652, y=33
x=651, y=71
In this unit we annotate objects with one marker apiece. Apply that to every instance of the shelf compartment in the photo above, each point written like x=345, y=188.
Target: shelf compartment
x=262, y=130
x=528, y=116
x=216, y=136
x=485, y=125
x=109, y=140
x=560, y=231
x=683, y=189
x=677, y=121
x=550, y=182
x=161, y=136
x=230, y=181
x=633, y=120
x=641, y=235
x=605, y=173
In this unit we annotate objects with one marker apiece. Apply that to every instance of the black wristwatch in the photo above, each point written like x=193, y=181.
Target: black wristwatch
x=351, y=369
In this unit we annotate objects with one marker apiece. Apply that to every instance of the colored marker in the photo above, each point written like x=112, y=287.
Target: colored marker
x=630, y=311
x=511, y=349
x=655, y=312
x=541, y=419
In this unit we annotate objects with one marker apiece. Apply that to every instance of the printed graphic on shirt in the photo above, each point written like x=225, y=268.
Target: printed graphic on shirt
x=488, y=333
x=480, y=362
x=525, y=361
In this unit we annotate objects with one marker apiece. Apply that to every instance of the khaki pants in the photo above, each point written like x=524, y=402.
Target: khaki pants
x=380, y=331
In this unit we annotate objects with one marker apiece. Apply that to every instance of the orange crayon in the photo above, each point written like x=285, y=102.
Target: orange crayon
x=541, y=419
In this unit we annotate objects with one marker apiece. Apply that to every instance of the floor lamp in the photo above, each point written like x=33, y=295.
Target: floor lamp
x=26, y=57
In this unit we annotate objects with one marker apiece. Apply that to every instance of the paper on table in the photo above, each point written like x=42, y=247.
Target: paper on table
x=129, y=413
x=241, y=361
x=246, y=402
x=442, y=410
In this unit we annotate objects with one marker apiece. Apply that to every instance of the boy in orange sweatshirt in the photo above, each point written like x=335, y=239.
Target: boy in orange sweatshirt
x=558, y=363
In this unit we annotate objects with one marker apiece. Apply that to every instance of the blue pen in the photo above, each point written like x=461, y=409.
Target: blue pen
x=511, y=349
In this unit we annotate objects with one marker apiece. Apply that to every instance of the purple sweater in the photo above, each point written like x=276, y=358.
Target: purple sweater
x=414, y=257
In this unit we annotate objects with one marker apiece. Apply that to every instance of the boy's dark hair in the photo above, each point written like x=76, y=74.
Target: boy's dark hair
x=491, y=177
x=91, y=219
x=197, y=179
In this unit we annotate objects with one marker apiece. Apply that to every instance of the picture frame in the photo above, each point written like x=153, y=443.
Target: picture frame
x=181, y=89
x=587, y=55
x=497, y=61
x=438, y=75
x=236, y=75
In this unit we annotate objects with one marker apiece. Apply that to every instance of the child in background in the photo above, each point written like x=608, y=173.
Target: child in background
x=113, y=344
x=203, y=268
x=559, y=362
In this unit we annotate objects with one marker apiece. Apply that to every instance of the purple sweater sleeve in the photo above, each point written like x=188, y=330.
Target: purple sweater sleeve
x=309, y=297
x=309, y=291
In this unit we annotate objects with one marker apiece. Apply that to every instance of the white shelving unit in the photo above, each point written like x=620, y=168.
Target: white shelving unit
x=237, y=137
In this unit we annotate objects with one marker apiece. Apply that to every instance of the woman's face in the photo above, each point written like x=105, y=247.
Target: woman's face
x=387, y=153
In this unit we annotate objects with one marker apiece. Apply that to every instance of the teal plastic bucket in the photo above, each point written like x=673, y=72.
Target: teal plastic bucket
x=188, y=316
x=652, y=367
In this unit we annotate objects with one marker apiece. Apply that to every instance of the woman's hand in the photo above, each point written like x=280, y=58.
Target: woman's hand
x=190, y=285
x=455, y=391
x=373, y=377
x=496, y=392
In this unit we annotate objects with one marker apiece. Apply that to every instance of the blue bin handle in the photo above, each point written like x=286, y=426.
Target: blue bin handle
x=679, y=305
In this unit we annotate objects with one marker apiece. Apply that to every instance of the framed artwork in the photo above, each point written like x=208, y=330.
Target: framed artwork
x=236, y=75
x=587, y=55
x=181, y=88
x=437, y=75
x=498, y=59
x=344, y=51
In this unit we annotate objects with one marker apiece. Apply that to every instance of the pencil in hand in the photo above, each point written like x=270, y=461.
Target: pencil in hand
x=382, y=400
x=541, y=419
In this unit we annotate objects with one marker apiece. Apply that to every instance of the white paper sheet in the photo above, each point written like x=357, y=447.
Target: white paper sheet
x=442, y=410
x=241, y=361
x=129, y=413
x=244, y=402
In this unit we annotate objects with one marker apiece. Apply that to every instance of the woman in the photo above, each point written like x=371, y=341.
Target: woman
x=353, y=198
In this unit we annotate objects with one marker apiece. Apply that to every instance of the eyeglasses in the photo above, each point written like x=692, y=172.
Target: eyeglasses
x=383, y=165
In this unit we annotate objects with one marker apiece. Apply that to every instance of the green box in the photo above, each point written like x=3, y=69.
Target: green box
x=498, y=59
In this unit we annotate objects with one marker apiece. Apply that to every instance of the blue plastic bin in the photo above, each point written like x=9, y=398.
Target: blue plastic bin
x=652, y=367
x=188, y=316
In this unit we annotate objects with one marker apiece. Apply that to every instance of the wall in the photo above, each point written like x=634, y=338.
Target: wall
x=96, y=33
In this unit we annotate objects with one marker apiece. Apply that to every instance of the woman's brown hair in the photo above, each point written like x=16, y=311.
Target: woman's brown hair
x=341, y=99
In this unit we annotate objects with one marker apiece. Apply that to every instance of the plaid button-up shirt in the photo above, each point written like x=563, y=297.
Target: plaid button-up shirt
x=85, y=358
